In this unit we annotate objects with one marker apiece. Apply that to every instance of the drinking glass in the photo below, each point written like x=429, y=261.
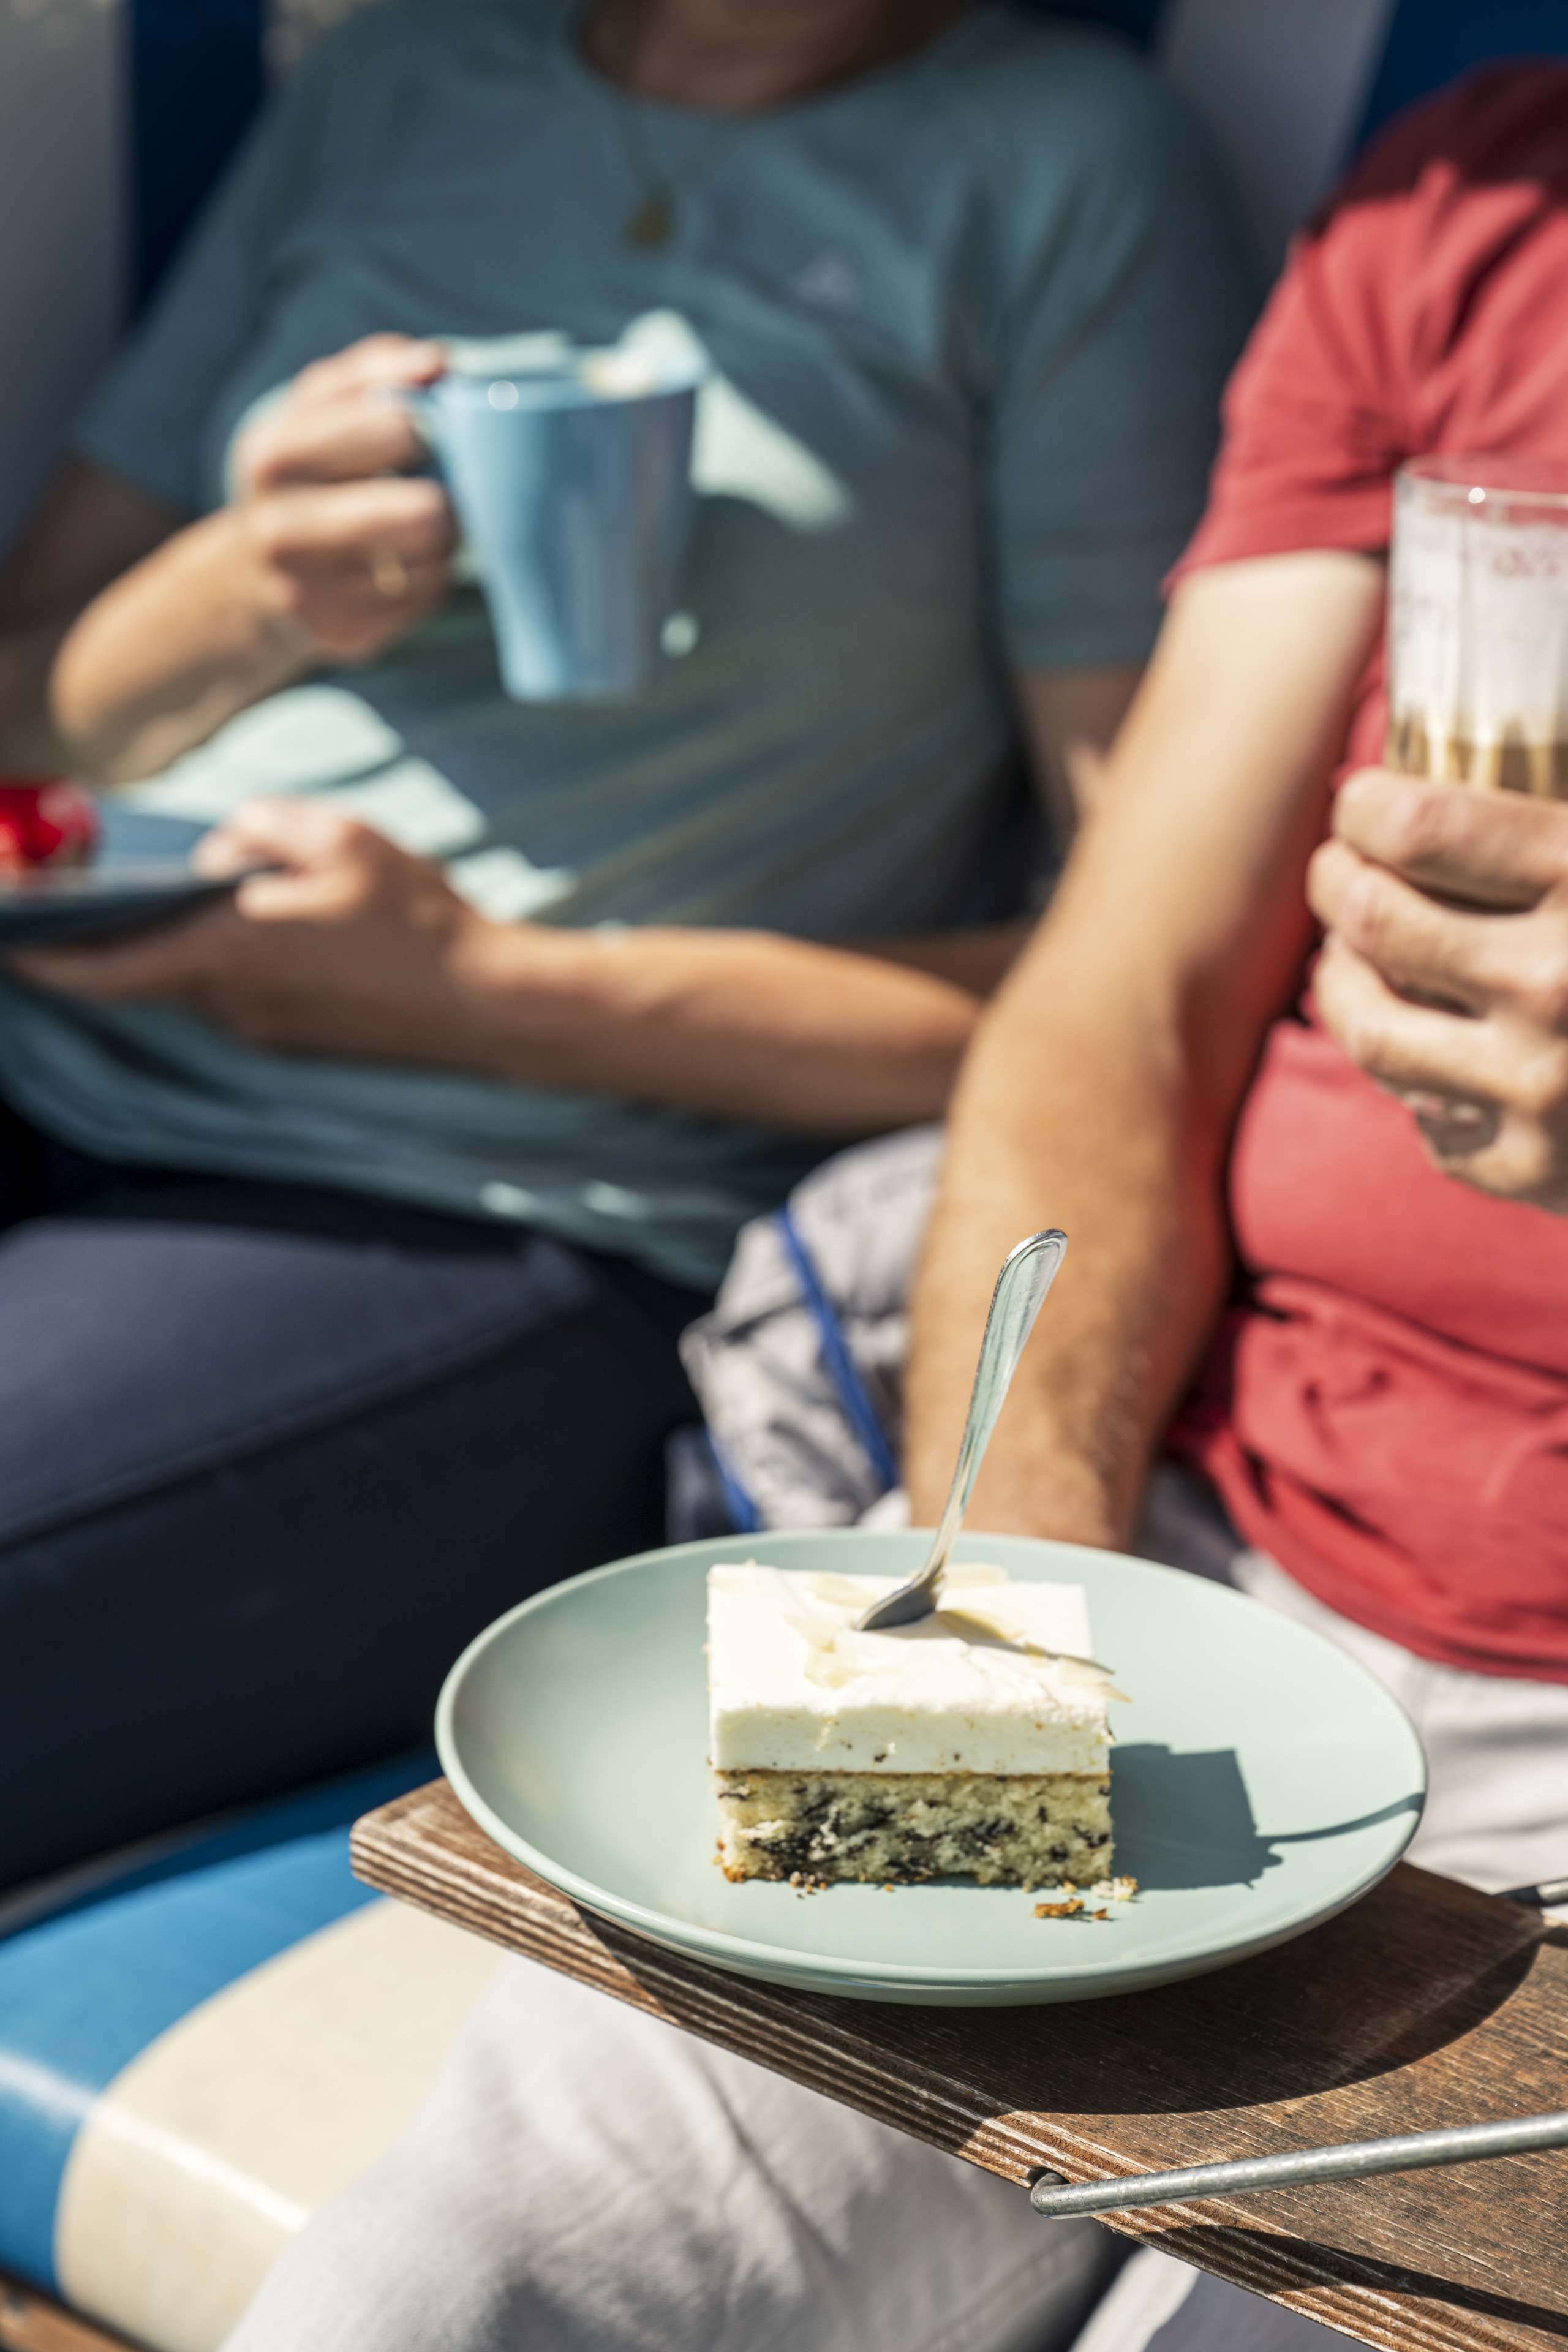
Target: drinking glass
x=1477, y=624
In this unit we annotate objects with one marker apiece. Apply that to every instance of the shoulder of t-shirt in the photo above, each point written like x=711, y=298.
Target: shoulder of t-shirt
x=1503, y=123
x=1415, y=188
x=1028, y=94
x=1326, y=401
x=1044, y=110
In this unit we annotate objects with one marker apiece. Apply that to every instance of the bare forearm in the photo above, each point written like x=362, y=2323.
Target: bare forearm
x=172, y=649
x=1075, y=1117
x=738, y=1025
x=1105, y=1081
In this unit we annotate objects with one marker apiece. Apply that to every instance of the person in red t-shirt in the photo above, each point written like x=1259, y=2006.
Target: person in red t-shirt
x=1382, y=1409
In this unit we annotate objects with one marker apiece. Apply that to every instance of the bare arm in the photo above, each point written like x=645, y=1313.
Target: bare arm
x=1103, y=1084
x=357, y=949
x=128, y=633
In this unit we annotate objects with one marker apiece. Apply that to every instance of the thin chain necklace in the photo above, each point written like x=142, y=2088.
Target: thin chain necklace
x=653, y=220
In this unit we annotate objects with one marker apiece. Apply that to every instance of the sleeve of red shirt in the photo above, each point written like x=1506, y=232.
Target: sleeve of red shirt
x=1334, y=389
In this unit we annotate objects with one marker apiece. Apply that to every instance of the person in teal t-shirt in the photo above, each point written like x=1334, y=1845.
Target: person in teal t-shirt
x=562, y=990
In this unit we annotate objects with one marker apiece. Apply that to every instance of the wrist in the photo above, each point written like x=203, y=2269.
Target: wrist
x=166, y=653
x=1047, y=1493
x=1061, y=1508
x=519, y=987
x=251, y=602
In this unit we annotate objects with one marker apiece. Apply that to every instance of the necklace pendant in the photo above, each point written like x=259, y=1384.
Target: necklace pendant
x=652, y=224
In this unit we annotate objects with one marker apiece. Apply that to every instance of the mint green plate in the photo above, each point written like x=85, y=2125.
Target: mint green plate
x=1260, y=1783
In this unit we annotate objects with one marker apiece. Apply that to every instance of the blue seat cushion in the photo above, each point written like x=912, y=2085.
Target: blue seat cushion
x=87, y=1988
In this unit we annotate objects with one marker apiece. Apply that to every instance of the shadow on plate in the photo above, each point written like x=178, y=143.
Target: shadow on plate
x=1158, y=1792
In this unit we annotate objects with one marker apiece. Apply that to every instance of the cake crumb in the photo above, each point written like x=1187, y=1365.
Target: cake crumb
x=1099, y=1914
x=889, y=1887
x=1067, y=1910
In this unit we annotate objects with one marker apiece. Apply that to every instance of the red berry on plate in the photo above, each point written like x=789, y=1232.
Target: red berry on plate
x=44, y=820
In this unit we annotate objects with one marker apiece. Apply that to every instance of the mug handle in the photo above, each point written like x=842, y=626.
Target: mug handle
x=421, y=406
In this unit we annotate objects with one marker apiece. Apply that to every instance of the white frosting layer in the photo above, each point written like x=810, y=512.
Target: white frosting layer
x=793, y=1688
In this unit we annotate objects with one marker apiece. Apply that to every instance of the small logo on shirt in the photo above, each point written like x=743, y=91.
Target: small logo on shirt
x=830, y=282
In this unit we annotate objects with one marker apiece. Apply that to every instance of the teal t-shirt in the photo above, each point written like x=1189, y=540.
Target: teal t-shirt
x=968, y=319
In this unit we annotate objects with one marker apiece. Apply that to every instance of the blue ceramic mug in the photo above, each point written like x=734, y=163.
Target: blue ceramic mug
x=572, y=486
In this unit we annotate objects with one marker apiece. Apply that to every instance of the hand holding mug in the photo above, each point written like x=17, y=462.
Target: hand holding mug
x=1444, y=974
x=344, y=550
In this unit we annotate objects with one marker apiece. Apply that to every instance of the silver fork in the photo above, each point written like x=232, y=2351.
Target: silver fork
x=1027, y=1273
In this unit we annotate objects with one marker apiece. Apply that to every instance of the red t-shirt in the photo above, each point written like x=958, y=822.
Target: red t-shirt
x=1387, y=1412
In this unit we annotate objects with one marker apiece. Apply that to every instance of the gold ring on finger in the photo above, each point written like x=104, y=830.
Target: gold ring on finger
x=389, y=574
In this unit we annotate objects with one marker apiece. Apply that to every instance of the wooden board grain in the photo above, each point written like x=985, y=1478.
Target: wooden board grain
x=1425, y=2005
x=29, y=2322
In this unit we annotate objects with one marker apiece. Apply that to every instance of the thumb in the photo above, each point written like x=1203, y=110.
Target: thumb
x=295, y=835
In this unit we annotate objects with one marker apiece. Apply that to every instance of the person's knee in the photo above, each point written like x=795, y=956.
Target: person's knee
x=393, y=2265
x=588, y=2178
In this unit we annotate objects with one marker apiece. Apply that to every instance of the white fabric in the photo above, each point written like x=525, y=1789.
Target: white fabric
x=1149, y=2290
x=589, y=2179
x=757, y=1361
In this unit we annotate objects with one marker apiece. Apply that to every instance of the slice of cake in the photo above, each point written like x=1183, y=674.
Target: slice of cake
x=972, y=1743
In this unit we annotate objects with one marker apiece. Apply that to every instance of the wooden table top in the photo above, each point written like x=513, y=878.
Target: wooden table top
x=1424, y=2005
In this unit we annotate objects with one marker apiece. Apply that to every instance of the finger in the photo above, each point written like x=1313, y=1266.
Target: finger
x=295, y=834
x=376, y=363
x=1408, y=1048
x=343, y=608
x=1496, y=849
x=342, y=440
x=347, y=523
x=220, y=853
x=1419, y=945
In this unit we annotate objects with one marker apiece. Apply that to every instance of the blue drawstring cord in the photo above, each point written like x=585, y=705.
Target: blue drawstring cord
x=848, y=1386
x=837, y=1362
x=744, y=1515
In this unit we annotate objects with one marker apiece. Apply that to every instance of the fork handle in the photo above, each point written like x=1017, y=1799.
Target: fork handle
x=1027, y=1273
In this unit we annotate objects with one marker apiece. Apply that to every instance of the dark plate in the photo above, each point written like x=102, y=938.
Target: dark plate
x=99, y=901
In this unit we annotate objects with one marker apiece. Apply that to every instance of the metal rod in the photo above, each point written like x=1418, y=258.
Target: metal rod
x=1544, y=1897
x=1355, y=2161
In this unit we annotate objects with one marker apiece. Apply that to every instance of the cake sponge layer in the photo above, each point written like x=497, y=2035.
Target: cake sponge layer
x=1021, y=1829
